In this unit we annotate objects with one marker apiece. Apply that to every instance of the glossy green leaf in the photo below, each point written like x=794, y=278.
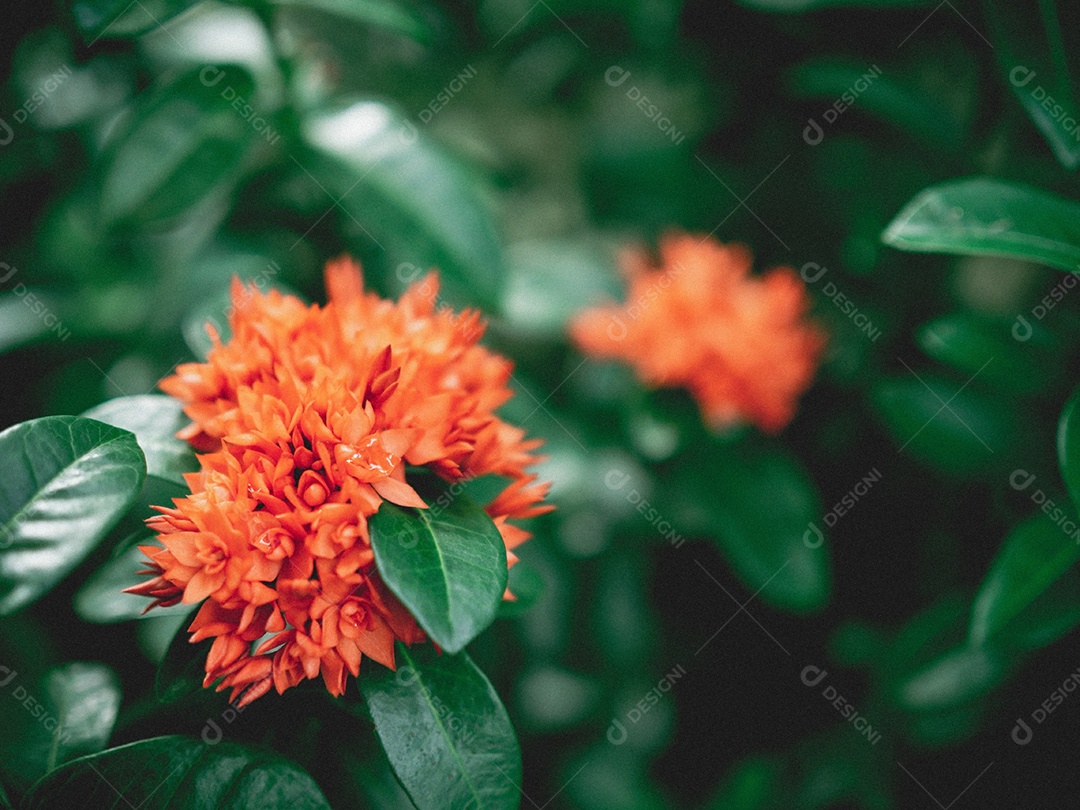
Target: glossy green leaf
x=382, y=13
x=155, y=420
x=1034, y=60
x=972, y=345
x=953, y=427
x=446, y=564
x=762, y=509
x=1035, y=554
x=66, y=483
x=101, y=599
x=444, y=730
x=183, y=668
x=1068, y=446
x=421, y=207
x=121, y=18
x=183, y=142
x=984, y=216
x=67, y=713
x=170, y=773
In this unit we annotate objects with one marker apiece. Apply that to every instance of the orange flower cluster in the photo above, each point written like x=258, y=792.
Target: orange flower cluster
x=309, y=417
x=740, y=344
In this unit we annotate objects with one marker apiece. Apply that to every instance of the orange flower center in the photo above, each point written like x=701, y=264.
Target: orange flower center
x=212, y=552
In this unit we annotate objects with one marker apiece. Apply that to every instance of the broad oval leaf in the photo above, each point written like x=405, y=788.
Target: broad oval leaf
x=983, y=216
x=120, y=18
x=67, y=481
x=951, y=426
x=183, y=142
x=1068, y=446
x=420, y=205
x=1035, y=554
x=976, y=345
x=67, y=713
x=170, y=773
x=446, y=563
x=444, y=730
x=763, y=511
x=155, y=420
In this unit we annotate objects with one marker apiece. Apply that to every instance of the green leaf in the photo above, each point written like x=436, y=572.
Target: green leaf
x=68, y=713
x=1068, y=446
x=67, y=481
x=381, y=13
x=170, y=773
x=983, y=216
x=444, y=730
x=101, y=599
x=1034, y=60
x=1050, y=616
x=183, y=668
x=952, y=427
x=121, y=18
x=184, y=142
x=447, y=564
x=752, y=784
x=959, y=676
x=763, y=511
x=155, y=420
x=972, y=344
x=1035, y=554
x=417, y=203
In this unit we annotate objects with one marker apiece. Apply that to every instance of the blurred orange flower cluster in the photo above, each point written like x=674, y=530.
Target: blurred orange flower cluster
x=308, y=417
x=740, y=344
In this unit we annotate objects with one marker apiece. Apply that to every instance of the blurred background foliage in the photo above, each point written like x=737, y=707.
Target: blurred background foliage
x=154, y=150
